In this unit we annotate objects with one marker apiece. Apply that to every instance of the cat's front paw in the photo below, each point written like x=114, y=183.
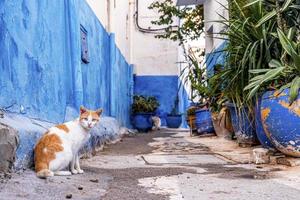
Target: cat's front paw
x=80, y=171
x=74, y=171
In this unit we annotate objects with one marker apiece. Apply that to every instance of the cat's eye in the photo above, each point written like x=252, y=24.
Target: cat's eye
x=94, y=120
x=85, y=119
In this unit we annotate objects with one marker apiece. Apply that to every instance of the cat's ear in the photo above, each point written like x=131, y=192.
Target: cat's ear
x=99, y=111
x=82, y=109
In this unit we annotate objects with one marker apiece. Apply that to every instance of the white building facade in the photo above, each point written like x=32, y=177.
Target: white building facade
x=155, y=60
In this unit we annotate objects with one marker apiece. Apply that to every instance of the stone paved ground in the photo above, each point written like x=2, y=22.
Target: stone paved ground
x=160, y=165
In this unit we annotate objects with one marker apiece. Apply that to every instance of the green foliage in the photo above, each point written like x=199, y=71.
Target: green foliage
x=142, y=104
x=257, y=53
x=281, y=73
x=191, y=19
x=191, y=111
x=195, y=75
x=175, y=110
x=203, y=88
x=284, y=68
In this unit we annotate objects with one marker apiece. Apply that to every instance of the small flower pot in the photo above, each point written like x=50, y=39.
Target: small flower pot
x=174, y=121
x=204, y=122
x=142, y=121
x=243, y=125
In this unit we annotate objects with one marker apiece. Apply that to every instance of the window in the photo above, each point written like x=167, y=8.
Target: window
x=84, y=45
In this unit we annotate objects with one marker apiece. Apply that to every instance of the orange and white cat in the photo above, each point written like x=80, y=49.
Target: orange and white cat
x=59, y=146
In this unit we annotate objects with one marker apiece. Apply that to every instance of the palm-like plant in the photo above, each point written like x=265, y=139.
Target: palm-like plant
x=284, y=69
x=254, y=46
x=193, y=75
x=248, y=47
x=284, y=73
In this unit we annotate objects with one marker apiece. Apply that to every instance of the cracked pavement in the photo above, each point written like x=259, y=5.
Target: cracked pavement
x=159, y=165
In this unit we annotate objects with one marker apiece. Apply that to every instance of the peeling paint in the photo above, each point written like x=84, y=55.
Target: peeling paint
x=277, y=94
x=281, y=125
x=265, y=113
x=294, y=107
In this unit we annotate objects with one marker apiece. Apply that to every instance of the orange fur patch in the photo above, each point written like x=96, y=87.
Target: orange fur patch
x=63, y=127
x=45, y=150
x=94, y=115
x=84, y=115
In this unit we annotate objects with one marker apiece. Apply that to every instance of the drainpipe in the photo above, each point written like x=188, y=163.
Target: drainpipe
x=108, y=15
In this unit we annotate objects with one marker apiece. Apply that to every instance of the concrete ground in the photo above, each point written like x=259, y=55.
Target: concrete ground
x=168, y=164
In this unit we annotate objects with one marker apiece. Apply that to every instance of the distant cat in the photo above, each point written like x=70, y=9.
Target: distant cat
x=156, y=123
x=59, y=146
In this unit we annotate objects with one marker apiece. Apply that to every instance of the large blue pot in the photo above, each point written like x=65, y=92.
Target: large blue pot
x=142, y=121
x=243, y=125
x=204, y=122
x=174, y=121
x=281, y=121
x=260, y=132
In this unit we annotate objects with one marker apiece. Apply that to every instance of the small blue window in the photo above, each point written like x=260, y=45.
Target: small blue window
x=84, y=45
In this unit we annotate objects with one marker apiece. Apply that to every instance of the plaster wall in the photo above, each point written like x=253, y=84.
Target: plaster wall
x=211, y=10
x=42, y=74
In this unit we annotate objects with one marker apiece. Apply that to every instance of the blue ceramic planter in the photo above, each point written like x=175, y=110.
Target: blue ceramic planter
x=142, y=121
x=174, y=121
x=204, y=122
x=243, y=126
x=281, y=121
x=260, y=132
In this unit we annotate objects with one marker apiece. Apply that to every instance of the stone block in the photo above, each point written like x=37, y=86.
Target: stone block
x=261, y=156
x=8, y=145
x=288, y=161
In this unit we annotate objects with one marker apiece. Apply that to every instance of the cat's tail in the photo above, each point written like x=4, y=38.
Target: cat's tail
x=44, y=173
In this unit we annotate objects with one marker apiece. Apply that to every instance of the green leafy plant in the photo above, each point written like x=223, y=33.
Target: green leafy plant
x=191, y=21
x=248, y=48
x=284, y=68
x=204, y=89
x=142, y=104
x=255, y=52
x=284, y=73
x=196, y=77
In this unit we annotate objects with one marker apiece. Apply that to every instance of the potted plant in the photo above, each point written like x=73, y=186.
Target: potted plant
x=143, y=109
x=280, y=104
x=196, y=76
x=251, y=50
x=174, y=119
x=263, y=57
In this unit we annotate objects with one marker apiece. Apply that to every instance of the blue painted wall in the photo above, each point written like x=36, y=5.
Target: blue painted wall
x=216, y=57
x=40, y=61
x=165, y=89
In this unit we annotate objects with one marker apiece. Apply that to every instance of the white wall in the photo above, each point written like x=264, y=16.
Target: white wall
x=149, y=55
x=100, y=8
x=115, y=17
x=152, y=56
x=211, y=10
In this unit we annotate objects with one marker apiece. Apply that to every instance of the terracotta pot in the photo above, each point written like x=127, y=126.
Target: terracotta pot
x=219, y=122
x=191, y=121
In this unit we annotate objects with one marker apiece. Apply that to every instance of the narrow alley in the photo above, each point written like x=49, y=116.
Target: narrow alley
x=168, y=164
